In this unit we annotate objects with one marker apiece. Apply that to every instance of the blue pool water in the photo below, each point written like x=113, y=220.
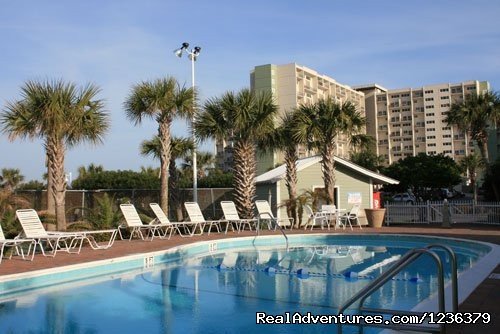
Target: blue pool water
x=221, y=291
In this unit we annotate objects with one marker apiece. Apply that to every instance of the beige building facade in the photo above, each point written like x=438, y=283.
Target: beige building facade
x=291, y=86
x=406, y=122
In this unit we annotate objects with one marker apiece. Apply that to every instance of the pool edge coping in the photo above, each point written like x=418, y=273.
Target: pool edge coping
x=473, y=276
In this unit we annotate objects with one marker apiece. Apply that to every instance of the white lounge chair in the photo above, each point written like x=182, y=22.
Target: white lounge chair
x=58, y=241
x=315, y=217
x=134, y=223
x=332, y=215
x=231, y=217
x=15, y=243
x=265, y=213
x=352, y=215
x=34, y=226
x=196, y=216
x=172, y=226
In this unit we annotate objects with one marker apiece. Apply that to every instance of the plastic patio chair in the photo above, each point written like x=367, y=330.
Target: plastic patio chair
x=172, y=226
x=265, y=213
x=231, y=217
x=134, y=223
x=196, y=216
x=57, y=241
x=351, y=216
x=15, y=243
x=316, y=216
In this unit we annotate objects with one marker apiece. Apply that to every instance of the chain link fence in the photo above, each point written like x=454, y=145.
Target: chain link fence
x=78, y=202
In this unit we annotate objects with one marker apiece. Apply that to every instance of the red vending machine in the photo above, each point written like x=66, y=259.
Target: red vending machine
x=376, y=200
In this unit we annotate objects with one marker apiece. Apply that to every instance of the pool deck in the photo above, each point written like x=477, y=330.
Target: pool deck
x=485, y=298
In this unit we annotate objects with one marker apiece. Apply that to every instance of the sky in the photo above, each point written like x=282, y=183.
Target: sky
x=117, y=44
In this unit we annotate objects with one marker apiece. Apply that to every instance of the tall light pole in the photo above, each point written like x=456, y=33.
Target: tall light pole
x=192, y=55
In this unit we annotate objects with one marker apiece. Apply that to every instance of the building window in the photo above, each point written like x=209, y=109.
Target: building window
x=429, y=106
x=445, y=97
x=471, y=88
x=430, y=129
x=431, y=145
x=429, y=92
x=430, y=122
x=442, y=90
x=447, y=144
x=447, y=136
x=429, y=99
x=445, y=105
x=431, y=137
x=429, y=114
x=446, y=128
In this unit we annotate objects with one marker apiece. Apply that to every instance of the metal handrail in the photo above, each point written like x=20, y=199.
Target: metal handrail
x=275, y=221
x=408, y=258
x=454, y=270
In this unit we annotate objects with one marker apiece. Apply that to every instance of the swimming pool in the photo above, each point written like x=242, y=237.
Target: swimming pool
x=217, y=287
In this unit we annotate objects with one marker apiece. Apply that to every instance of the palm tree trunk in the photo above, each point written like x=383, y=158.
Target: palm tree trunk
x=51, y=204
x=474, y=188
x=164, y=135
x=174, y=191
x=328, y=166
x=56, y=152
x=483, y=149
x=291, y=182
x=245, y=168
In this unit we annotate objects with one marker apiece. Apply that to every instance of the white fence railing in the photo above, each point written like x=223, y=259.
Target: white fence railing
x=466, y=212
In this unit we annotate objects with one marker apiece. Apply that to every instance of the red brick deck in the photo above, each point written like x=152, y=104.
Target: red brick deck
x=484, y=299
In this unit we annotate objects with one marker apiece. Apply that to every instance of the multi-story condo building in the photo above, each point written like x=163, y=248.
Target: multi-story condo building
x=405, y=122
x=291, y=86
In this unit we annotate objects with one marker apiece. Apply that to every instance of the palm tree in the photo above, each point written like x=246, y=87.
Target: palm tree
x=205, y=161
x=89, y=170
x=320, y=125
x=471, y=164
x=282, y=139
x=10, y=178
x=63, y=115
x=9, y=203
x=161, y=100
x=179, y=148
x=475, y=116
x=243, y=117
x=368, y=159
